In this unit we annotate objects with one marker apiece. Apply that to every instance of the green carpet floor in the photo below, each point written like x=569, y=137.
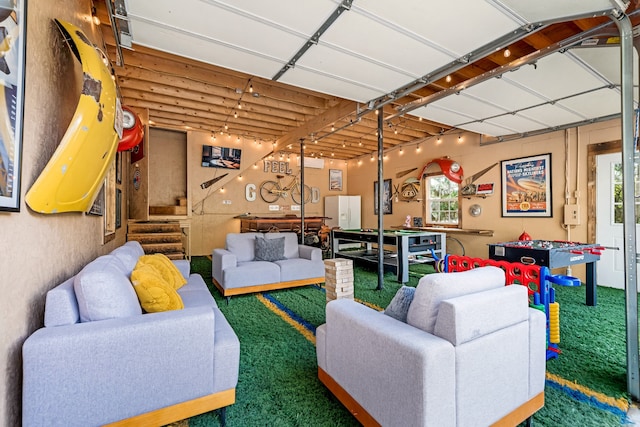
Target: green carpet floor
x=278, y=385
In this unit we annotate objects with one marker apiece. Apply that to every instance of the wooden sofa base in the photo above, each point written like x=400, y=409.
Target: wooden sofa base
x=267, y=287
x=513, y=418
x=180, y=411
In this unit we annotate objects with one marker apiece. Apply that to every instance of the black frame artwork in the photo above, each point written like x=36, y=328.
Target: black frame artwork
x=12, y=71
x=387, y=201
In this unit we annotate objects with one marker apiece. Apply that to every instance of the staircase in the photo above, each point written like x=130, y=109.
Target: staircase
x=158, y=237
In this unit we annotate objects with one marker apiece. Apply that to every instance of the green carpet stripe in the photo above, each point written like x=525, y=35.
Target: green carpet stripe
x=618, y=407
x=581, y=397
x=290, y=313
x=285, y=316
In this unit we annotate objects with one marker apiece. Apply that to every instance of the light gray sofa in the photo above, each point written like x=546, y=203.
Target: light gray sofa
x=99, y=359
x=472, y=353
x=236, y=270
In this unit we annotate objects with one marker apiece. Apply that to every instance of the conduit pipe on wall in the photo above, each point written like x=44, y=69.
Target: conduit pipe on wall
x=567, y=194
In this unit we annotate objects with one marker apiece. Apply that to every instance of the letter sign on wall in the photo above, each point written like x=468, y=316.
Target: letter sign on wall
x=277, y=167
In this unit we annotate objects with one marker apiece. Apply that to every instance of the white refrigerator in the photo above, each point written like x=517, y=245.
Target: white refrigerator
x=342, y=211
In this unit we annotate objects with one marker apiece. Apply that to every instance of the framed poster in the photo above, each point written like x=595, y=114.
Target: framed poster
x=387, y=207
x=335, y=179
x=526, y=186
x=12, y=30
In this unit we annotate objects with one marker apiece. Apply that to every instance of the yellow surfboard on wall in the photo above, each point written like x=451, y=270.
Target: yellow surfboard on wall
x=74, y=175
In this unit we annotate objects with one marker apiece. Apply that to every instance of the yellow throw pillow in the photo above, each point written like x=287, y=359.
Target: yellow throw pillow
x=166, y=268
x=154, y=293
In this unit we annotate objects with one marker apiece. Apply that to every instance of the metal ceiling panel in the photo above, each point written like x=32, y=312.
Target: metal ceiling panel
x=377, y=47
x=468, y=106
x=596, y=104
x=457, y=29
x=517, y=122
x=230, y=29
x=381, y=44
x=441, y=115
x=554, y=76
x=543, y=10
x=504, y=94
x=551, y=115
x=347, y=66
x=487, y=128
x=201, y=49
x=301, y=17
x=605, y=60
x=308, y=79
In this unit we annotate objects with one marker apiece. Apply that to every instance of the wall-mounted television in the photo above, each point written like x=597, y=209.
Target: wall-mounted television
x=220, y=157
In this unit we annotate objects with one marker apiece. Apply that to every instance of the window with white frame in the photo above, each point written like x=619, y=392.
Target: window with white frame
x=616, y=203
x=442, y=203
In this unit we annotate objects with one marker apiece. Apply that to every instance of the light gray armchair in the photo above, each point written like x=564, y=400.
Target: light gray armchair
x=472, y=353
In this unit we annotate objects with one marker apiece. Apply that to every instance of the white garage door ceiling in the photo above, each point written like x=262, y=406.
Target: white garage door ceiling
x=377, y=48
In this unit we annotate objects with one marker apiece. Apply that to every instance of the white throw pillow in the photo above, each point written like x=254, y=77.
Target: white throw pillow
x=435, y=288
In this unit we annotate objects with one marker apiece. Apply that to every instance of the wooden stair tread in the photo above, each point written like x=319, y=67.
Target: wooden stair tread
x=154, y=227
x=159, y=246
x=167, y=210
x=163, y=237
x=156, y=237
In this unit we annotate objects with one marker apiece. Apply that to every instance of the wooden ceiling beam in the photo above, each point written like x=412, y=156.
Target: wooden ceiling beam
x=217, y=120
x=181, y=123
x=230, y=97
x=313, y=125
x=200, y=101
x=211, y=126
x=214, y=124
x=210, y=117
x=172, y=65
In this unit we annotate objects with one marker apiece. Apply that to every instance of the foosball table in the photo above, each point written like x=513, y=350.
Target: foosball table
x=553, y=254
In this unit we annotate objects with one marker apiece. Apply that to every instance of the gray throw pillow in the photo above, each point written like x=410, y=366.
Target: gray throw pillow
x=269, y=249
x=399, y=305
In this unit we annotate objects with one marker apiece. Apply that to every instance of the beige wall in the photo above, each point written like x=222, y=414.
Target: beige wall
x=39, y=251
x=474, y=158
x=166, y=184
x=212, y=219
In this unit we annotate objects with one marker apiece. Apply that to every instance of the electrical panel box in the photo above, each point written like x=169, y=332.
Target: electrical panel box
x=571, y=214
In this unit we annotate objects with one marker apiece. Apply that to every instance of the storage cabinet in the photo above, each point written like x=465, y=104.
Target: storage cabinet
x=343, y=212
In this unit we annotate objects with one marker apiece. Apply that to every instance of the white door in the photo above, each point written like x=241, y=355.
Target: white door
x=609, y=219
